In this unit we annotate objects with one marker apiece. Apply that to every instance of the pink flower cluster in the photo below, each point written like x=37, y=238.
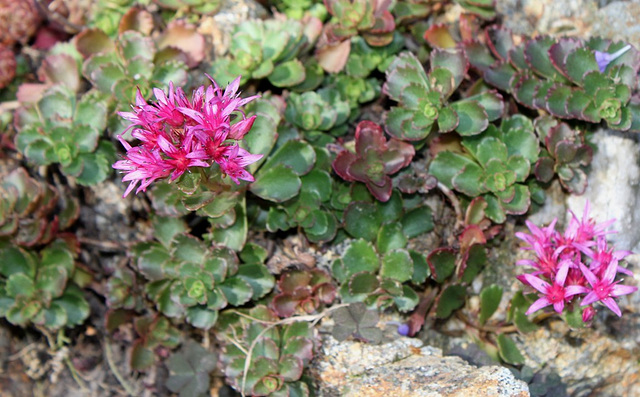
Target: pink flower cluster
x=176, y=134
x=576, y=263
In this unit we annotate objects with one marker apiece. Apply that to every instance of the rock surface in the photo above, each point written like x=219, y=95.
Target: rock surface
x=405, y=367
x=590, y=362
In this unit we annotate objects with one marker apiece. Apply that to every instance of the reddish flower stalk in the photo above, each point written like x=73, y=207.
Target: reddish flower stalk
x=176, y=134
x=575, y=263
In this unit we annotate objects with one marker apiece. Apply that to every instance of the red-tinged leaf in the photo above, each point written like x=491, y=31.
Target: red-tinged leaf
x=517, y=58
x=478, y=55
x=416, y=320
x=453, y=60
x=558, y=54
x=524, y=90
x=499, y=75
x=93, y=41
x=136, y=19
x=442, y=263
x=543, y=170
x=332, y=58
x=184, y=36
x=60, y=68
x=577, y=103
x=541, y=92
x=499, y=41
x=471, y=235
x=557, y=100
x=537, y=56
x=439, y=36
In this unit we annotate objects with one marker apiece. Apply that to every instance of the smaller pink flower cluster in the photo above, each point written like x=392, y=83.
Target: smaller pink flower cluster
x=177, y=134
x=577, y=262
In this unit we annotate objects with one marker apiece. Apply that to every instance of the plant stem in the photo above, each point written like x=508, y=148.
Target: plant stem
x=114, y=369
x=313, y=318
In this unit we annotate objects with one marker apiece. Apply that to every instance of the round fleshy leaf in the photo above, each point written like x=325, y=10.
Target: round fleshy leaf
x=451, y=299
x=360, y=256
x=278, y=184
x=362, y=220
x=390, y=237
x=472, y=117
x=417, y=221
x=442, y=263
x=287, y=74
x=408, y=300
x=489, y=301
x=509, y=351
x=397, y=265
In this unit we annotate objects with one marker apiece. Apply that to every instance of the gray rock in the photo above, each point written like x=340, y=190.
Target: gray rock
x=589, y=361
x=614, y=186
x=405, y=367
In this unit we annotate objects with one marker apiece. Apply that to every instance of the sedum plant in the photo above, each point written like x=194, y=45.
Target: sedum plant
x=41, y=288
x=278, y=354
x=268, y=49
x=371, y=20
x=186, y=279
x=423, y=98
x=302, y=291
x=565, y=153
x=494, y=165
x=63, y=129
x=120, y=67
x=374, y=160
x=378, y=280
x=32, y=213
x=317, y=113
x=591, y=80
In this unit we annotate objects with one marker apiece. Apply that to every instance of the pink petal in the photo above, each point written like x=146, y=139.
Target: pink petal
x=589, y=299
x=537, y=283
x=558, y=306
x=610, y=272
x=591, y=278
x=612, y=305
x=575, y=290
x=561, y=276
x=619, y=290
x=537, y=305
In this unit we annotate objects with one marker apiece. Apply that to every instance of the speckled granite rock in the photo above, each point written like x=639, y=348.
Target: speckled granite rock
x=616, y=20
x=404, y=367
x=591, y=362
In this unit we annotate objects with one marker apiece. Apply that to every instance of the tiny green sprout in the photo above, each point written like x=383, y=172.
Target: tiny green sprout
x=610, y=109
x=430, y=111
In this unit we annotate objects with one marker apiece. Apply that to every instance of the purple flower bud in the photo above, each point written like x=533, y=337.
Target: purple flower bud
x=403, y=329
x=604, y=59
x=588, y=313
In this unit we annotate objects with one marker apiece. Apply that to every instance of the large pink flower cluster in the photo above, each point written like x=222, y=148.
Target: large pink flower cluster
x=176, y=134
x=578, y=262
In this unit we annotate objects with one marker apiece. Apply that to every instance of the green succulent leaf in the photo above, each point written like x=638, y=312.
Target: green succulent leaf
x=360, y=256
x=362, y=220
x=509, y=351
x=489, y=301
x=288, y=74
x=450, y=300
x=278, y=183
x=397, y=265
